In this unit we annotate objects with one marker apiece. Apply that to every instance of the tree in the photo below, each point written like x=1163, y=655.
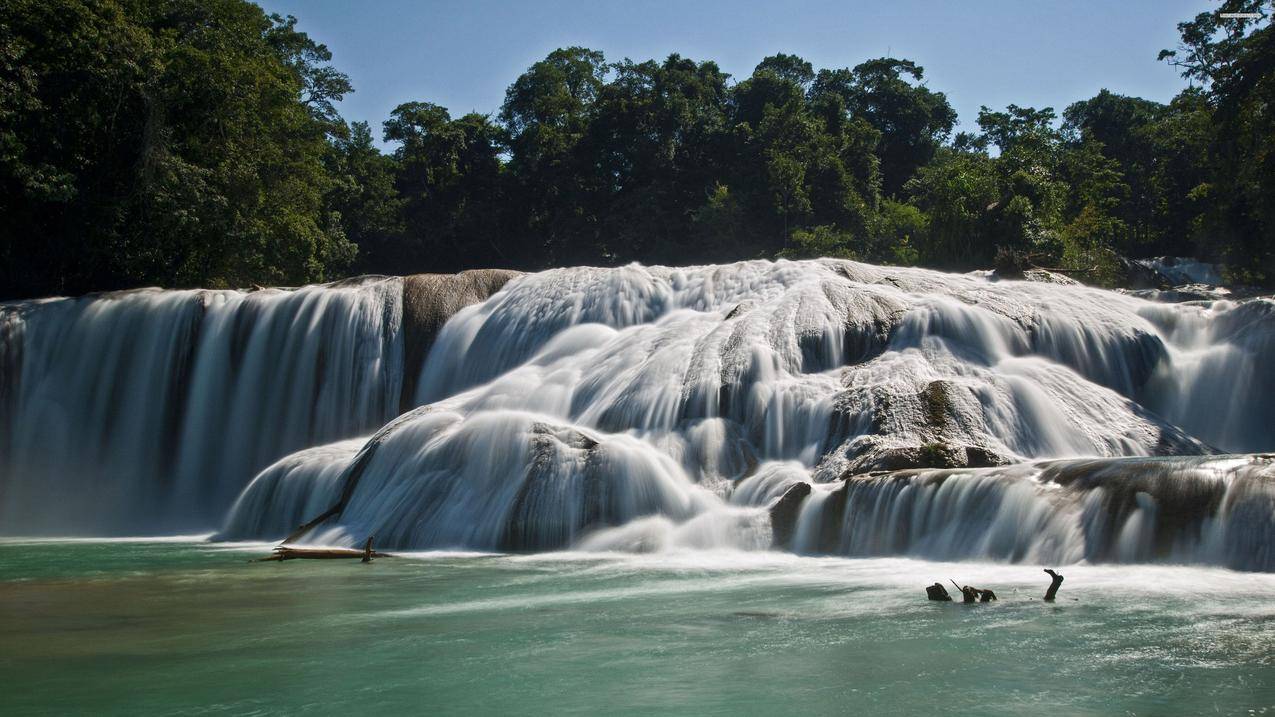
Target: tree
x=364, y=197
x=187, y=143
x=450, y=181
x=1089, y=241
x=1119, y=129
x=788, y=67
x=913, y=120
x=956, y=191
x=654, y=143
x=1234, y=60
x=547, y=112
x=179, y=142
x=1028, y=213
x=797, y=160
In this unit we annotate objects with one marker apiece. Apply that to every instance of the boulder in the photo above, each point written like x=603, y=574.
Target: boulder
x=429, y=300
x=784, y=512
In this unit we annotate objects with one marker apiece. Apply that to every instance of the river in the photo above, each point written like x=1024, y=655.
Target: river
x=183, y=627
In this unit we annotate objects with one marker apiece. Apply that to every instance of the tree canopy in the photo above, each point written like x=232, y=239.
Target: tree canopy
x=177, y=143
x=199, y=143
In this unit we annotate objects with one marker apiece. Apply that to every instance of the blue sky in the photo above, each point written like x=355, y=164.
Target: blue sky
x=462, y=55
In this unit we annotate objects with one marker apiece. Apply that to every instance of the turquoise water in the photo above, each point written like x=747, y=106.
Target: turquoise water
x=183, y=627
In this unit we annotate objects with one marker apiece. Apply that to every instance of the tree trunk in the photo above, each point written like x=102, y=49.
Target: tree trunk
x=1053, y=586
x=286, y=553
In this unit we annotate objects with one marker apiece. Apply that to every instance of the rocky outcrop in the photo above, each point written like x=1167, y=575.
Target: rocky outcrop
x=1175, y=498
x=429, y=300
x=554, y=448
x=1140, y=276
x=1049, y=277
x=927, y=455
x=784, y=512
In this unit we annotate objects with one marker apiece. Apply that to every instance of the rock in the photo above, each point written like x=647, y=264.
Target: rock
x=784, y=512
x=1049, y=277
x=831, y=518
x=1140, y=276
x=927, y=455
x=980, y=457
x=549, y=444
x=1183, y=294
x=936, y=401
x=429, y=300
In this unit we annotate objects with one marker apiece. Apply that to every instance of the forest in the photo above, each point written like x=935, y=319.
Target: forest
x=185, y=143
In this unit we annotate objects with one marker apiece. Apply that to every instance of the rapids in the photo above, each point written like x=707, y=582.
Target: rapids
x=644, y=408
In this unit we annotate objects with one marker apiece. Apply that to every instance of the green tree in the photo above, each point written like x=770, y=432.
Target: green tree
x=364, y=197
x=797, y=160
x=901, y=229
x=1093, y=233
x=1120, y=129
x=1234, y=60
x=913, y=120
x=450, y=179
x=823, y=240
x=547, y=113
x=1027, y=215
x=654, y=144
x=179, y=143
x=956, y=192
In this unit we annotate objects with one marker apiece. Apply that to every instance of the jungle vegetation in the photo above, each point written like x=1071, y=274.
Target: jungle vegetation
x=198, y=143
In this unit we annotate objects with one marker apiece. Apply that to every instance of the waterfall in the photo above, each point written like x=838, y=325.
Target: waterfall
x=1207, y=510
x=148, y=411
x=642, y=408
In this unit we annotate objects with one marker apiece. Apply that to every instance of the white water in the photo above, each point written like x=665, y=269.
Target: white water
x=148, y=411
x=1214, y=511
x=642, y=408
x=1179, y=270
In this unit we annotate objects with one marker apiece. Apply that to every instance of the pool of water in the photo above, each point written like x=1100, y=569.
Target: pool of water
x=185, y=627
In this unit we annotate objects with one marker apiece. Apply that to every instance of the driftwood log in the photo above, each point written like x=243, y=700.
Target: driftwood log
x=284, y=552
x=1053, y=585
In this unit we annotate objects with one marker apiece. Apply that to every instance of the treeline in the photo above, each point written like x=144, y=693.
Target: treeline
x=196, y=143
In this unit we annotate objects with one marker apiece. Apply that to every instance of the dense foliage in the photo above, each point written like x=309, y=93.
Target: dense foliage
x=178, y=142
x=196, y=142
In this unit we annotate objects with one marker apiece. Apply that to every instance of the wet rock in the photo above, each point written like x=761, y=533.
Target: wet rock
x=429, y=300
x=1176, y=496
x=980, y=457
x=550, y=445
x=831, y=520
x=1183, y=294
x=784, y=512
x=1140, y=276
x=1049, y=277
x=927, y=455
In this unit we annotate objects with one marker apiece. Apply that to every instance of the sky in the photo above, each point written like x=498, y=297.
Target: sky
x=463, y=55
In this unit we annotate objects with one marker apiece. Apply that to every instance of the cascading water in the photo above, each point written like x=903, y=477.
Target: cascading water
x=148, y=411
x=641, y=408
x=144, y=410
x=1209, y=510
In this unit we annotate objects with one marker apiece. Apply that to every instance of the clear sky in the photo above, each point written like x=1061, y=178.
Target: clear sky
x=462, y=55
